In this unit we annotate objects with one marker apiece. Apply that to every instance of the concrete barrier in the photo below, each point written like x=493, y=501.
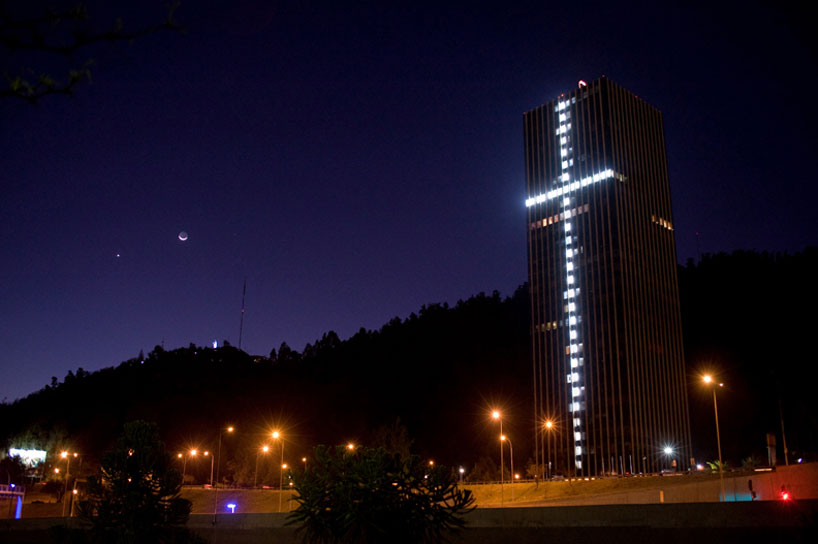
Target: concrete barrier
x=703, y=523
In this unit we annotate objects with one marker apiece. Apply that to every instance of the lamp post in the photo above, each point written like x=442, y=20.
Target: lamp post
x=504, y=438
x=212, y=458
x=304, y=460
x=668, y=455
x=67, y=456
x=496, y=415
x=708, y=379
x=549, y=426
x=192, y=453
x=263, y=449
x=218, y=465
x=278, y=436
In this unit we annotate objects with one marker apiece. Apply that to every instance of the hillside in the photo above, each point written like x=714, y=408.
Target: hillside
x=748, y=315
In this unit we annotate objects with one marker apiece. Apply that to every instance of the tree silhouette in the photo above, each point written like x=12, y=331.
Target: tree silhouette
x=58, y=36
x=135, y=496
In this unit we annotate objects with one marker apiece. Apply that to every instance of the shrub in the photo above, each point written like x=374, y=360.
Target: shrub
x=371, y=496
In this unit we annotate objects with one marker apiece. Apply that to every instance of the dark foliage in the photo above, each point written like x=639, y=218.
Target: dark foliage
x=370, y=495
x=41, y=46
x=749, y=318
x=135, y=496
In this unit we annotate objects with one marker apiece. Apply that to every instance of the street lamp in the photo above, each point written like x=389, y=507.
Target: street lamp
x=496, y=415
x=708, y=379
x=504, y=438
x=215, y=488
x=668, y=451
x=278, y=436
x=67, y=456
x=548, y=426
x=304, y=460
x=461, y=470
x=263, y=449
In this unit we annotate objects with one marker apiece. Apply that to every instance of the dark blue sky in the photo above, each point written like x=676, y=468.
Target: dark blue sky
x=354, y=161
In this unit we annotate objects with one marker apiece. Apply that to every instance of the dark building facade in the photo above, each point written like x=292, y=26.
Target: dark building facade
x=606, y=328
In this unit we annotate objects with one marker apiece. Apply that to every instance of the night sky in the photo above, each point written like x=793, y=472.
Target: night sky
x=354, y=161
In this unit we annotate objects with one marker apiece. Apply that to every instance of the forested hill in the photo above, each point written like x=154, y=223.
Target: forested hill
x=748, y=316
x=438, y=370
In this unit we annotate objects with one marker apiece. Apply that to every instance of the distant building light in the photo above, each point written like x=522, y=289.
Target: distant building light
x=215, y=344
x=30, y=458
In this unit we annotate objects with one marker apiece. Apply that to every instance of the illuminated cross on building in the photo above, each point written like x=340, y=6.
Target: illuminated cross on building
x=566, y=193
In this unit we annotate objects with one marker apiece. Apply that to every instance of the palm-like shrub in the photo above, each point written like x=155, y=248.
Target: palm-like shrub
x=373, y=496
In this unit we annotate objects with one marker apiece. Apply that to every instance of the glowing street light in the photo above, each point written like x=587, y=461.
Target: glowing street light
x=461, y=470
x=708, y=379
x=184, y=458
x=67, y=456
x=278, y=436
x=549, y=427
x=304, y=460
x=218, y=461
x=495, y=414
x=263, y=449
x=350, y=446
x=504, y=438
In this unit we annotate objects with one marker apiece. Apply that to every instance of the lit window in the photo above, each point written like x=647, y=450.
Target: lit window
x=574, y=363
x=574, y=348
x=578, y=437
x=570, y=280
x=572, y=320
x=569, y=267
x=566, y=350
x=569, y=252
x=577, y=422
x=572, y=307
x=567, y=227
x=566, y=201
x=575, y=392
x=564, y=164
x=573, y=335
x=578, y=451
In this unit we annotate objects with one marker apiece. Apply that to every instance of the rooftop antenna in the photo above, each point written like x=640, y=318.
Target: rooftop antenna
x=241, y=320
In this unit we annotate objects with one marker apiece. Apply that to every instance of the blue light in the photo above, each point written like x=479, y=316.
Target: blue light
x=232, y=507
x=13, y=486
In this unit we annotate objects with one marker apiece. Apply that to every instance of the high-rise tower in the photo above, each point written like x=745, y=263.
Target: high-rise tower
x=606, y=328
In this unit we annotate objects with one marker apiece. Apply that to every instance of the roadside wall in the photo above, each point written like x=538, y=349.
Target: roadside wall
x=703, y=523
